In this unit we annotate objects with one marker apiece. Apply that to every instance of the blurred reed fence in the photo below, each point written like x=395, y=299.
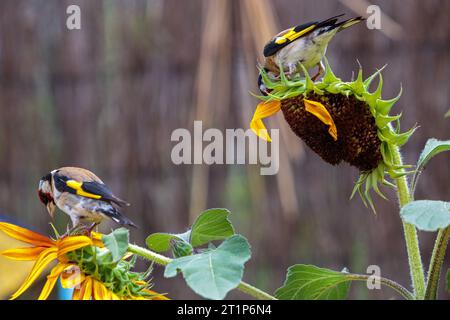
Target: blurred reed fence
x=107, y=97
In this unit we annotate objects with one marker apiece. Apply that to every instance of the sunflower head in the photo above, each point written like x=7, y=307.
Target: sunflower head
x=340, y=121
x=117, y=277
x=85, y=263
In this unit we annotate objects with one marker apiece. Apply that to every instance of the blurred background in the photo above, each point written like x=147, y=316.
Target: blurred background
x=107, y=98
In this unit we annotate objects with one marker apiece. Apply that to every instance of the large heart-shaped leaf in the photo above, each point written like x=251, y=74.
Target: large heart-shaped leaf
x=161, y=242
x=427, y=215
x=212, y=224
x=432, y=148
x=117, y=243
x=213, y=273
x=308, y=282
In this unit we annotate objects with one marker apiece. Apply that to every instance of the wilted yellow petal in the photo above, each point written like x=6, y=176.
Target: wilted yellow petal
x=76, y=294
x=86, y=289
x=72, y=277
x=23, y=254
x=25, y=235
x=51, y=281
x=318, y=110
x=47, y=256
x=69, y=244
x=263, y=110
x=260, y=130
x=100, y=291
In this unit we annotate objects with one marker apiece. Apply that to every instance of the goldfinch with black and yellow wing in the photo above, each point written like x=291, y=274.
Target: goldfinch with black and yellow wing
x=305, y=44
x=82, y=195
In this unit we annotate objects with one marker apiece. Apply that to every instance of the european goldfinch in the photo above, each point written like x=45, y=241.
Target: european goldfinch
x=305, y=44
x=82, y=195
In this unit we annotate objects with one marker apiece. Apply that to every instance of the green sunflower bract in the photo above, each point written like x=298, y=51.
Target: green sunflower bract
x=366, y=134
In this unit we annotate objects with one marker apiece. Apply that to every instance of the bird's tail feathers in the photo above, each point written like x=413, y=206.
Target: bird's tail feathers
x=119, y=202
x=117, y=217
x=350, y=22
x=330, y=21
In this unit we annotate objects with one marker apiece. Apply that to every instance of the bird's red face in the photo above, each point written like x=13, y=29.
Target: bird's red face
x=46, y=195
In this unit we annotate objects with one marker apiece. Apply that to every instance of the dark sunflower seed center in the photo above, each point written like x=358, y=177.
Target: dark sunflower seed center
x=357, y=143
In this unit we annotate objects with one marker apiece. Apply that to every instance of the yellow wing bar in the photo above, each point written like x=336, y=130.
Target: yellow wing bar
x=77, y=186
x=291, y=35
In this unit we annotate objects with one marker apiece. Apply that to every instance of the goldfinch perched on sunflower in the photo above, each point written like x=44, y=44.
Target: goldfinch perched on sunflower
x=81, y=195
x=304, y=44
x=338, y=120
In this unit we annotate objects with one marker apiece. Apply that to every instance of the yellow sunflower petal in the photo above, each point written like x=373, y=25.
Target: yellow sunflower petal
x=113, y=296
x=51, y=280
x=263, y=110
x=318, y=110
x=23, y=254
x=99, y=291
x=47, y=256
x=97, y=239
x=25, y=235
x=69, y=244
x=76, y=294
x=260, y=130
x=157, y=296
x=86, y=289
x=72, y=277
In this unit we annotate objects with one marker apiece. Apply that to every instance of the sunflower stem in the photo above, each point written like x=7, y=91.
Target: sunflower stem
x=149, y=255
x=412, y=241
x=387, y=282
x=437, y=258
x=163, y=260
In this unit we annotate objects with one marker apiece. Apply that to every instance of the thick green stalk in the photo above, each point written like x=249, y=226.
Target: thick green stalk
x=412, y=241
x=149, y=255
x=434, y=271
x=163, y=260
x=254, y=292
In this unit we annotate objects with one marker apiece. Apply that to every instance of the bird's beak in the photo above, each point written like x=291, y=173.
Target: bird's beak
x=51, y=208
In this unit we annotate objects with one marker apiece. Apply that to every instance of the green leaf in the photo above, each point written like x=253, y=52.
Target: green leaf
x=213, y=273
x=448, y=280
x=117, y=243
x=432, y=148
x=212, y=224
x=308, y=282
x=161, y=242
x=103, y=257
x=427, y=215
x=447, y=114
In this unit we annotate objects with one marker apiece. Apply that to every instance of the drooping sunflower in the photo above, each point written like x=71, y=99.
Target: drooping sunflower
x=88, y=287
x=82, y=263
x=101, y=277
x=340, y=121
